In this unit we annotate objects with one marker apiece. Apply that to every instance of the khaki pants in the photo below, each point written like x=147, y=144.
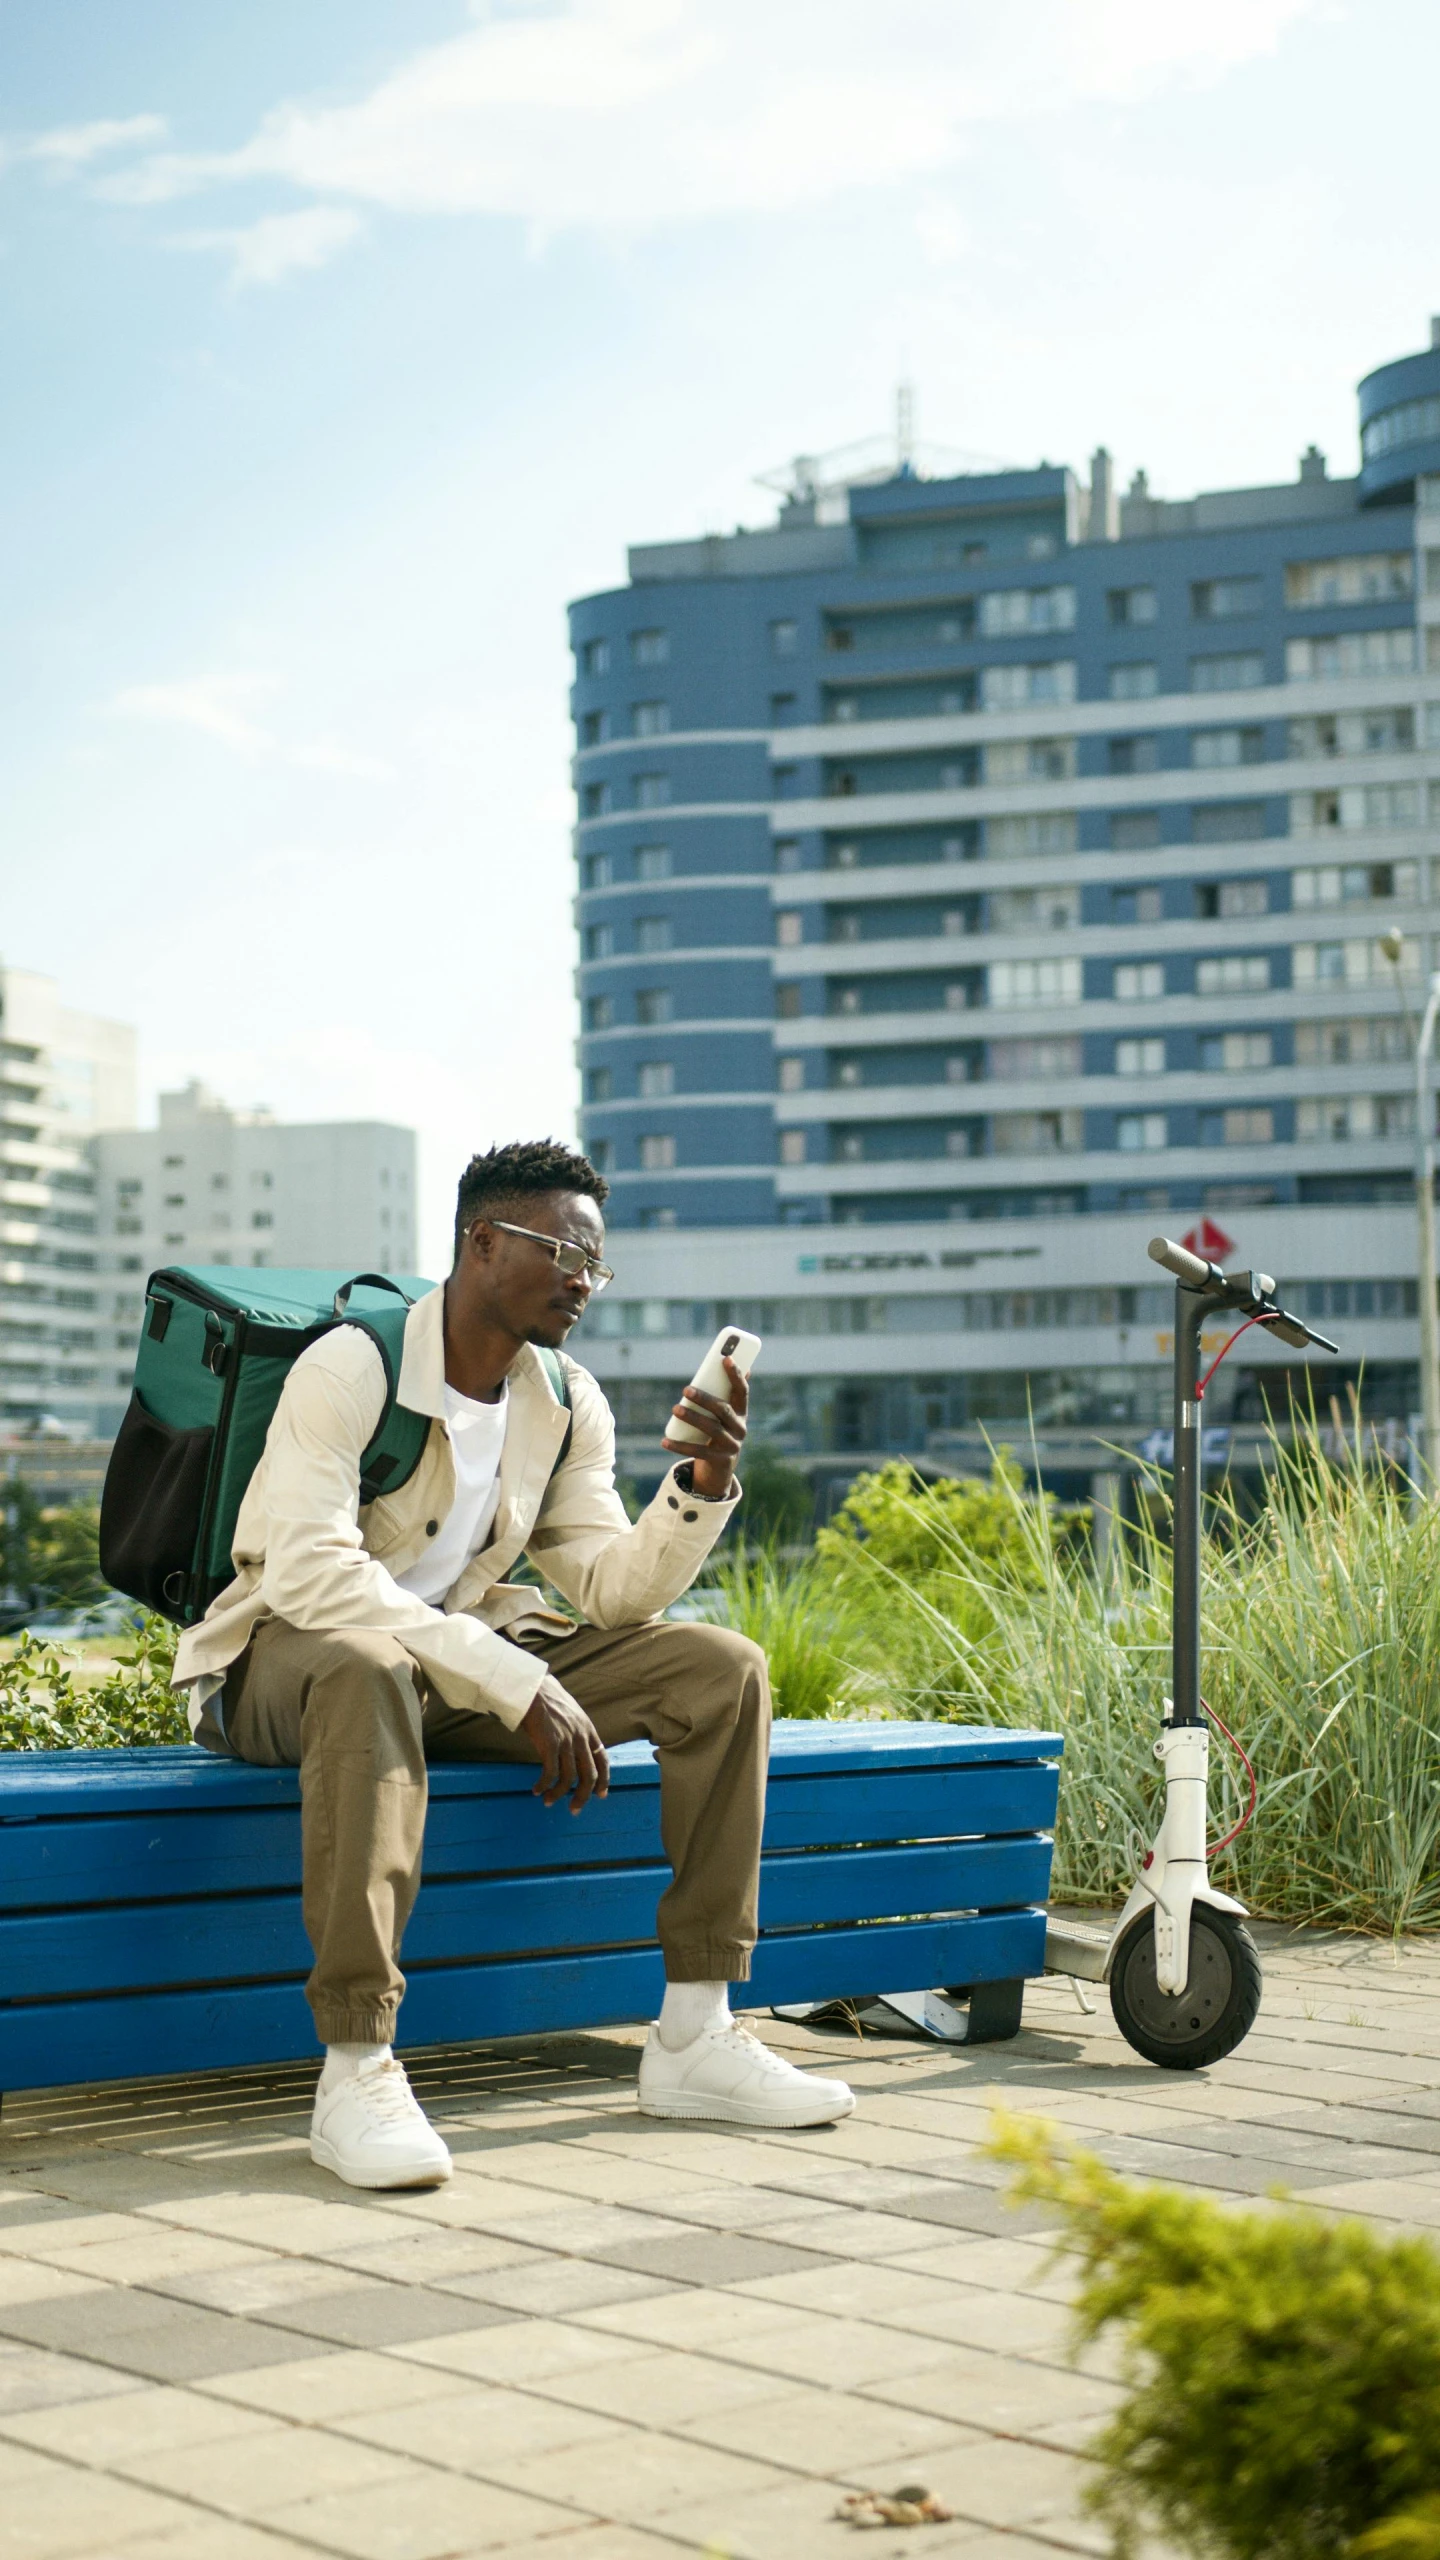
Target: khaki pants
x=354, y=1712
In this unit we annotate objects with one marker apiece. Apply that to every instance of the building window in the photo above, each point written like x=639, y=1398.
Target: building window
x=1017, y=982
x=1014, y=610
x=650, y=719
x=1224, y=599
x=1212, y=747
x=654, y=1079
x=652, y=862
x=261, y=1218
x=1013, y=1061
x=595, y=658
x=790, y=926
x=657, y=1154
x=1349, y=884
x=791, y=1076
x=1232, y=898
x=1139, y=981
x=788, y=1004
x=596, y=800
x=1368, y=577
x=599, y=1084
x=1139, y=1057
x=599, y=941
x=650, y=648
x=784, y=708
x=652, y=790
x=1235, y=1052
x=1245, y=1127
x=1238, y=973
x=1236, y=672
x=599, y=1013
x=1357, y=733
x=1358, y=804
x=1136, y=906
x=1357, y=1115
x=1027, y=911
x=788, y=857
x=594, y=728
x=1134, y=830
x=652, y=933
x=1134, y=680
x=1007, y=838
x=1130, y=604
x=785, y=639
x=792, y=1146
x=602, y=1154
x=653, y=1004
x=1035, y=1133
x=1015, y=688
x=1350, y=653
x=1030, y=760
x=1134, y=755
x=1140, y=1132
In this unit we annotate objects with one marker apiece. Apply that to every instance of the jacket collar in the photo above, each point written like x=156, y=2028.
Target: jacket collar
x=422, y=1377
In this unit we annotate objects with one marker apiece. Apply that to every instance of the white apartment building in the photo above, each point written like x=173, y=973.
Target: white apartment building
x=63, y=1076
x=211, y=1185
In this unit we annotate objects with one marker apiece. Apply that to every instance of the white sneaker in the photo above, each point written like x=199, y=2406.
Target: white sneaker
x=727, y=2076
x=369, y=2129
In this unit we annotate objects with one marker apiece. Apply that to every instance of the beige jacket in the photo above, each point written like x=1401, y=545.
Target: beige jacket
x=306, y=1552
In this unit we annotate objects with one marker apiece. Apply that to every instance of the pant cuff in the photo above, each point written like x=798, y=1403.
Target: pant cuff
x=356, y=2026
x=729, y=1963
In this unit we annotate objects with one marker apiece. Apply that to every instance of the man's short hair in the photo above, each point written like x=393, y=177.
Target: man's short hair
x=503, y=1183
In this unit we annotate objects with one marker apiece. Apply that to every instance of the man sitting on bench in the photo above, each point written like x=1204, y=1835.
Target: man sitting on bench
x=357, y=1645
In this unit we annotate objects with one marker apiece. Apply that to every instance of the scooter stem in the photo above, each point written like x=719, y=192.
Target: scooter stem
x=1191, y=1306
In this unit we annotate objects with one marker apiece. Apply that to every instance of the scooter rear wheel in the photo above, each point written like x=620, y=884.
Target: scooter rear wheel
x=1218, y=2006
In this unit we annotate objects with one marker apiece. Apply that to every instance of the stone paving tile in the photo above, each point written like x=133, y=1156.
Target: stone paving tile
x=382, y=2315
x=64, y=2512
x=817, y=2430
x=632, y=2475
x=129, y=2422
x=552, y=2287
x=145, y=2334
x=433, y=2257
x=1004, y=2393
x=660, y=2390
x=32, y=2280
x=459, y=2429
x=711, y=2257
x=328, y=2387
x=519, y=2351
x=420, y=2517
x=202, y=2537
x=35, y=2378
x=250, y=2476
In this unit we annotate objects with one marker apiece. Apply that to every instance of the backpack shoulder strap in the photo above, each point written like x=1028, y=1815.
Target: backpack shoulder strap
x=559, y=1377
x=397, y=1443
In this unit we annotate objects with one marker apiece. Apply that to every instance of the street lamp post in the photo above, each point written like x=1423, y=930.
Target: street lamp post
x=1393, y=948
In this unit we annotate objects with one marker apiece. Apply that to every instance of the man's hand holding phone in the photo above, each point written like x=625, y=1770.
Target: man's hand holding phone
x=709, y=1425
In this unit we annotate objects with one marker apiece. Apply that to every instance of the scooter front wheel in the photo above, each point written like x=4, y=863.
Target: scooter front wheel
x=1217, y=2007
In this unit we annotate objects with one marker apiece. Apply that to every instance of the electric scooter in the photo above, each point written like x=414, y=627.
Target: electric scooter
x=1182, y=1969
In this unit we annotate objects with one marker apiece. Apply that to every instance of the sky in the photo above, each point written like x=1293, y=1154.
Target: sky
x=345, y=343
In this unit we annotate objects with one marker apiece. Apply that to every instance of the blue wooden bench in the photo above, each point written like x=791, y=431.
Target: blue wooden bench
x=150, y=1907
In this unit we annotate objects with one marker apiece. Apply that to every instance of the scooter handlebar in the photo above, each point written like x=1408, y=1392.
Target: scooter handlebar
x=1186, y=1266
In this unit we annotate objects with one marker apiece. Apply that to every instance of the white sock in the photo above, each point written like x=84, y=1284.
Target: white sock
x=342, y=2061
x=689, y=2008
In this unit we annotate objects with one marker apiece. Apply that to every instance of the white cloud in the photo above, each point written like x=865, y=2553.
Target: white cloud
x=73, y=146
x=651, y=111
x=221, y=707
x=281, y=244
x=212, y=704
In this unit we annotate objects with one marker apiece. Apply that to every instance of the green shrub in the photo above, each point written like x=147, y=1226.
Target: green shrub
x=894, y=1519
x=47, y=1703
x=814, y=1632
x=49, y=1556
x=1283, y=2372
x=779, y=1504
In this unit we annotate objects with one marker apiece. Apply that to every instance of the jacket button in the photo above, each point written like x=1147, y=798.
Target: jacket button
x=432, y=1528
x=690, y=1515
x=674, y=1505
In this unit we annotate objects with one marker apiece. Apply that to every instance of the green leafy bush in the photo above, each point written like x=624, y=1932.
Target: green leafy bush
x=49, y=1555
x=779, y=1504
x=1283, y=2372
x=48, y=1703
x=813, y=1631
x=894, y=1519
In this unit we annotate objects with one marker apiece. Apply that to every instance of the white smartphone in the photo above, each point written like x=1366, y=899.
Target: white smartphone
x=729, y=1344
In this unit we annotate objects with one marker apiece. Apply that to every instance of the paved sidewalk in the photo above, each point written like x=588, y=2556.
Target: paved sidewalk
x=609, y=2338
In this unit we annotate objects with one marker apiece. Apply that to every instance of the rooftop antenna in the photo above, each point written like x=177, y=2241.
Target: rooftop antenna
x=905, y=427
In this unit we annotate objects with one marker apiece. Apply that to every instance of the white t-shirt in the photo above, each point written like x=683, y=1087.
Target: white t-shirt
x=477, y=1437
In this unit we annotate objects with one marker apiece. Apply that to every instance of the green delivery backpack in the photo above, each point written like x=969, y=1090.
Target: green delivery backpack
x=216, y=1348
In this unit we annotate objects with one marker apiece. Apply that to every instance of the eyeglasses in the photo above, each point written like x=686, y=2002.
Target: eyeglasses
x=572, y=1259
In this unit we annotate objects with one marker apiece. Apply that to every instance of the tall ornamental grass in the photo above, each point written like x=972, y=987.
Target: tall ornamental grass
x=1321, y=1637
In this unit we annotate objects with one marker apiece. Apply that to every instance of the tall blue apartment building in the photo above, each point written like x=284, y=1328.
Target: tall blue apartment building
x=977, y=873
